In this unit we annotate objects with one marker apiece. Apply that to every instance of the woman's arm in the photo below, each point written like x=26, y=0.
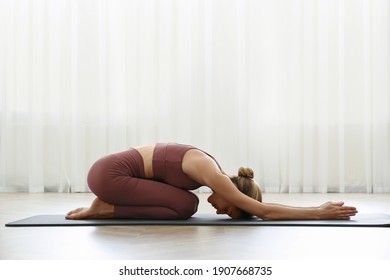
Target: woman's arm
x=326, y=211
x=222, y=185
x=203, y=169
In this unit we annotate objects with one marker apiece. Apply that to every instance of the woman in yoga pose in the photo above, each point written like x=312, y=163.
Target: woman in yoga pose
x=154, y=182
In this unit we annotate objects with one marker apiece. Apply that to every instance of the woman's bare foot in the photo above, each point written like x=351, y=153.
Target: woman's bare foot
x=98, y=210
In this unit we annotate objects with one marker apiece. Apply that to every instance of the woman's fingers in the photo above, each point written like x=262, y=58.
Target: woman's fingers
x=337, y=210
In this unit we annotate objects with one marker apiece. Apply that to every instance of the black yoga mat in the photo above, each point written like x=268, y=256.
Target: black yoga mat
x=361, y=220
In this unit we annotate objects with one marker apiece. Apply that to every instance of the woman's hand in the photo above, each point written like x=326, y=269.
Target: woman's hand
x=336, y=211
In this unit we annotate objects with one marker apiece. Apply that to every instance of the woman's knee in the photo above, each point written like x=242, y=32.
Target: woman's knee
x=187, y=206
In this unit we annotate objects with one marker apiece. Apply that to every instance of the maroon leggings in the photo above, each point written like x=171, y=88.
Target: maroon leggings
x=119, y=180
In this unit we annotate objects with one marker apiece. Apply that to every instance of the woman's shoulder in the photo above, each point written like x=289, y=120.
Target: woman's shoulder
x=199, y=165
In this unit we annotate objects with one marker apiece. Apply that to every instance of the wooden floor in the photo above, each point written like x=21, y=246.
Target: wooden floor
x=202, y=242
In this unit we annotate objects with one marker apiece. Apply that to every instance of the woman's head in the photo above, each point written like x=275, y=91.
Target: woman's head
x=245, y=184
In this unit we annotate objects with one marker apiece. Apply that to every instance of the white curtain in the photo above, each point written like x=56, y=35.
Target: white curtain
x=298, y=90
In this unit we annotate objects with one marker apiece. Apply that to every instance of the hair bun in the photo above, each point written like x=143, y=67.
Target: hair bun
x=246, y=172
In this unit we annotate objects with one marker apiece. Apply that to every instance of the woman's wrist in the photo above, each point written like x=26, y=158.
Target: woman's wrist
x=317, y=213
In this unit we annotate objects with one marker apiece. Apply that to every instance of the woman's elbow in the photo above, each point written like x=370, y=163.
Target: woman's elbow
x=266, y=217
x=266, y=214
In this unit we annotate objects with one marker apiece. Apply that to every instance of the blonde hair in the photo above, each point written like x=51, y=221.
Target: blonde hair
x=245, y=184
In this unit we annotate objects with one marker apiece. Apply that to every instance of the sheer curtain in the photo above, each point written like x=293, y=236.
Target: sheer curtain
x=298, y=90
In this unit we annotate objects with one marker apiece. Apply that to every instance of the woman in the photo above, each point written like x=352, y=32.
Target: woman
x=154, y=182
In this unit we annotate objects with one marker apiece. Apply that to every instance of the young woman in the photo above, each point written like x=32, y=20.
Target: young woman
x=154, y=182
